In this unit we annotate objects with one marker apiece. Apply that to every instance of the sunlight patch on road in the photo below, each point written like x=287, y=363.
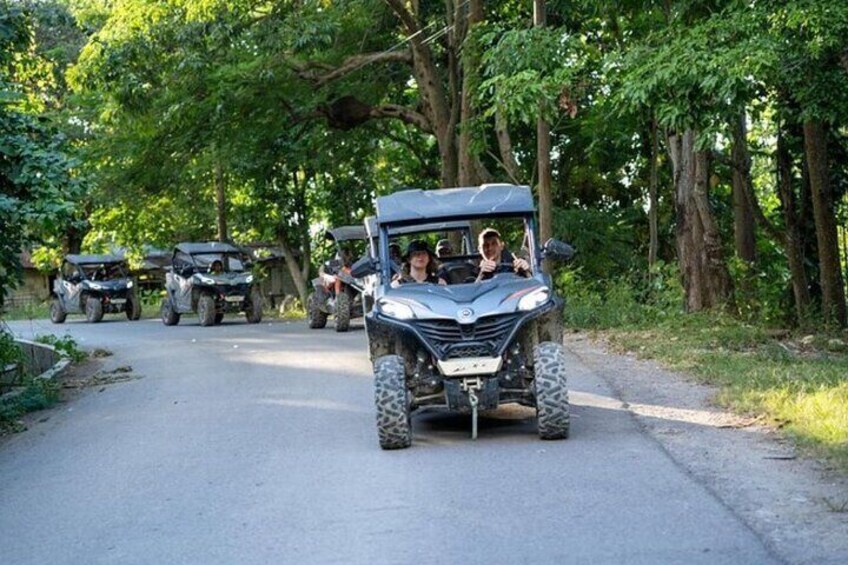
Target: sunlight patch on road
x=326, y=362
x=315, y=404
x=709, y=418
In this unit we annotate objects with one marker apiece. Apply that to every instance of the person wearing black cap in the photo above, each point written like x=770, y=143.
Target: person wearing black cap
x=496, y=259
x=419, y=265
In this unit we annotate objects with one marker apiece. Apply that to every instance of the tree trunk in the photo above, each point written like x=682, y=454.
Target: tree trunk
x=706, y=281
x=299, y=271
x=830, y=270
x=794, y=245
x=653, y=199
x=435, y=101
x=468, y=170
x=221, y=202
x=543, y=152
x=743, y=212
x=508, y=162
x=300, y=282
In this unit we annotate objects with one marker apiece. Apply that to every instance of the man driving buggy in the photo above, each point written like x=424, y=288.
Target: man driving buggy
x=495, y=258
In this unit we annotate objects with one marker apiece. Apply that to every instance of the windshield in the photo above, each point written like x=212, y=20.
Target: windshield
x=457, y=253
x=104, y=271
x=229, y=262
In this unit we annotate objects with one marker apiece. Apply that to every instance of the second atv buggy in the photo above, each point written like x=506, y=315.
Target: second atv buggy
x=94, y=285
x=194, y=284
x=466, y=347
x=336, y=293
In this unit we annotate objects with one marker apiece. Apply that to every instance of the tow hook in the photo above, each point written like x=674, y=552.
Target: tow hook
x=471, y=386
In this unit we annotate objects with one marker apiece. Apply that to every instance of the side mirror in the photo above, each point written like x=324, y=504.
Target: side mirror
x=363, y=267
x=186, y=271
x=557, y=250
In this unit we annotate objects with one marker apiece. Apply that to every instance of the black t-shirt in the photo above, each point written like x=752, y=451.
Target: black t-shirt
x=431, y=278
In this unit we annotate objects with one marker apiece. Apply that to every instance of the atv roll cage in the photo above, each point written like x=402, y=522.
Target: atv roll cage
x=193, y=285
x=93, y=285
x=468, y=346
x=96, y=267
x=199, y=257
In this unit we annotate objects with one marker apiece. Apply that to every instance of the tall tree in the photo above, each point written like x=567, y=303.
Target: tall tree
x=38, y=185
x=830, y=268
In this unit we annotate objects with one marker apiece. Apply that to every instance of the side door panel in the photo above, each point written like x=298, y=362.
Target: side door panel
x=180, y=290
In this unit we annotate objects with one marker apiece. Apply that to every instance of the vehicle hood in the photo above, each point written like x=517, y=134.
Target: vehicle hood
x=113, y=285
x=223, y=279
x=465, y=302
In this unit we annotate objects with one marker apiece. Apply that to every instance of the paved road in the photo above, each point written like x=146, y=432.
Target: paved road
x=256, y=444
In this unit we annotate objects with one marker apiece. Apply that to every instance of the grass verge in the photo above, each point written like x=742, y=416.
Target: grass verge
x=797, y=382
x=35, y=394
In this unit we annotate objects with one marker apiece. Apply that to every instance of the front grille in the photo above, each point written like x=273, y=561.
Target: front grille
x=452, y=340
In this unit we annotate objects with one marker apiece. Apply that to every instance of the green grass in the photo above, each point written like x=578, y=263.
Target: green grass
x=797, y=382
x=27, y=312
x=36, y=394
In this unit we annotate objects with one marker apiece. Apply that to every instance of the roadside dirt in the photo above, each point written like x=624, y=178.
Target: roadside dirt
x=95, y=373
x=798, y=506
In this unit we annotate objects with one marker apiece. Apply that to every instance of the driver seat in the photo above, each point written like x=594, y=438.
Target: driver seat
x=457, y=273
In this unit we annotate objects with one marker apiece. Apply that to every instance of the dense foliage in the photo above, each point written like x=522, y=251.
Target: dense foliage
x=698, y=148
x=39, y=189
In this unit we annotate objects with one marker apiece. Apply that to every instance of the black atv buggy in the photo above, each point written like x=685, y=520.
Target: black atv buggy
x=211, y=279
x=348, y=302
x=94, y=285
x=472, y=346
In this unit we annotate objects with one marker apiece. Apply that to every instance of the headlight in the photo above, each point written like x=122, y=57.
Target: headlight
x=534, y=299
x=129, y=284
x=205, y=280
x=96, y=286
x=396, y=309
x=249, y=279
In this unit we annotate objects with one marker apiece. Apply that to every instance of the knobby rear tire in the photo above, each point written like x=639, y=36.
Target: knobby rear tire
x=343, y=305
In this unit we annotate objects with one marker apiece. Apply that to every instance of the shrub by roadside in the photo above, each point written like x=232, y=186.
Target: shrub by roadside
x=29, y=393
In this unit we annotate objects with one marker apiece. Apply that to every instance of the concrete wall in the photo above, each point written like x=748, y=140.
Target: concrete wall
x=38, y=357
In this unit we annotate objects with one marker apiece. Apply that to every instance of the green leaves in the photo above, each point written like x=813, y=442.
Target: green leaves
x=530, y=73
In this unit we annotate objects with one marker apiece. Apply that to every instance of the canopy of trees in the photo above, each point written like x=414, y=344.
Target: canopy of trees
x=703, y=138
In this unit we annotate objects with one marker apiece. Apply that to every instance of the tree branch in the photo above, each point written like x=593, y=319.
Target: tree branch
x=357, y=62
x=405, y=16
x=402, y=113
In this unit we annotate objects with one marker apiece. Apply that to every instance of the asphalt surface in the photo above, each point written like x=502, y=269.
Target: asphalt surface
x=257, y=444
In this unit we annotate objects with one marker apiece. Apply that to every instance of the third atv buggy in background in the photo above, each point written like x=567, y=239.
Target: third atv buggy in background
x=334, y=275
x=195, y=284
x=466, y=347
x=94, y=285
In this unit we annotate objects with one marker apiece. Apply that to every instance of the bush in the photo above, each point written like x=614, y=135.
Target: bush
x=66, y=345
x=622, y=301
x=9, y=351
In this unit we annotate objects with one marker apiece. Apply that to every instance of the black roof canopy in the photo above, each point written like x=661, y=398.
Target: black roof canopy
x=208, y=247
x=346, y=233
x=413, y=206
x=94, y=259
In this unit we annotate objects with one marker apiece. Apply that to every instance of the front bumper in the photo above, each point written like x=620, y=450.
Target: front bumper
x=453, y=344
